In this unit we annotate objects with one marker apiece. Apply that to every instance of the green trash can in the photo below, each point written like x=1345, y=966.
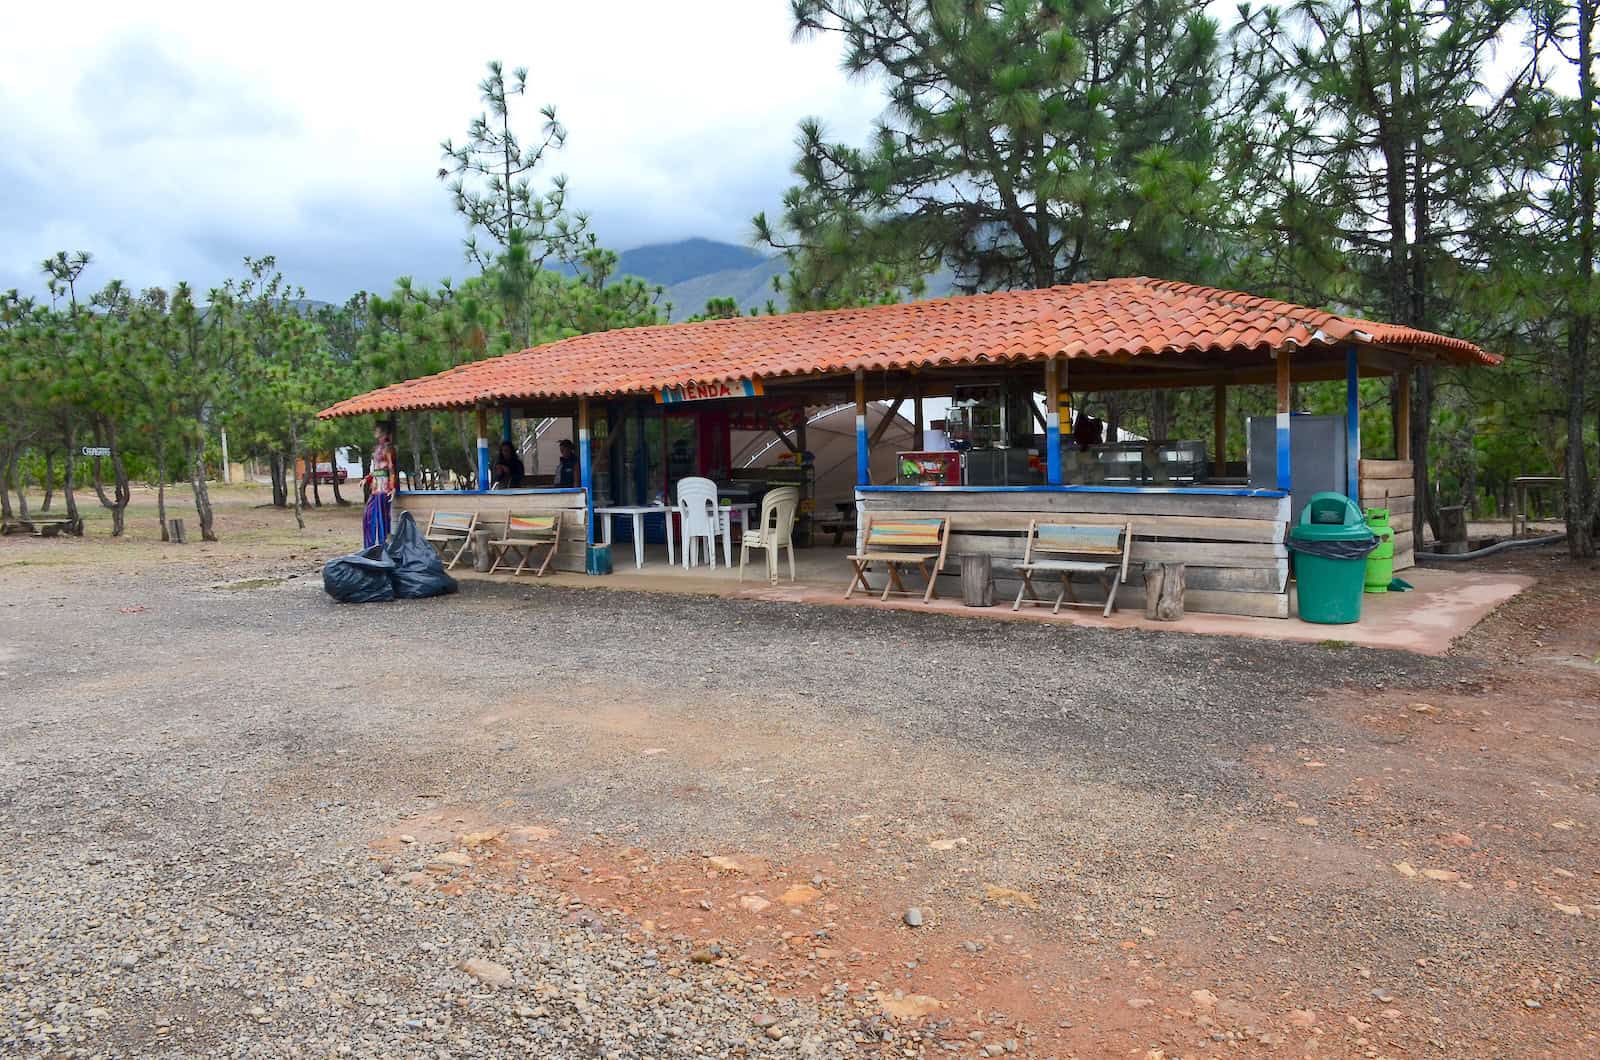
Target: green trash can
x=1330, y=545
x=1380, y=563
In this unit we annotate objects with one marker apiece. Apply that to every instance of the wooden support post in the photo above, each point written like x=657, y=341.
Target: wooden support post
x=863, y=464
x=483, y=449
x=1285, y=476
x=1402, y=415
x=175, y=532
x=1052, y=421
x=884, y=424
x=1352, y=425
x=505, y=424
x=586, y=469
x=1219, y=427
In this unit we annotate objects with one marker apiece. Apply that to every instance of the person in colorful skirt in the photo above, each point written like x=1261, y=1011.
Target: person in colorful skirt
x=381, y=483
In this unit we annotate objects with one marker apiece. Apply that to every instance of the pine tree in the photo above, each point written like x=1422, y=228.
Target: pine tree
x=1377, y=158
x=1025, y=145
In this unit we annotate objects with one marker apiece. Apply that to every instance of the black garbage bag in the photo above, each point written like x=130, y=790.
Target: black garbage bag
x=360, y=578
x=1360, y=548
x=418, y=570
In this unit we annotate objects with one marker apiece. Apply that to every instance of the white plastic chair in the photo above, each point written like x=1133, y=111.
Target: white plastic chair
x=773, y=531
x=697, y=508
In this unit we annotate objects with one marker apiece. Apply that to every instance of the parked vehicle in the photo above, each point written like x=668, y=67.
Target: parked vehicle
x=327, y=474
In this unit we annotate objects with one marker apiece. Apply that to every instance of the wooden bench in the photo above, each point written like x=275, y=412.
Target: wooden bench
x=523, y=534
x=447, y=529
x=1099, y=550
x=901, y=542
x=43, y=525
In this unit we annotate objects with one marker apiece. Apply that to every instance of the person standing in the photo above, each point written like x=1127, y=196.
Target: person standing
x=567, y=466
x=382, y=480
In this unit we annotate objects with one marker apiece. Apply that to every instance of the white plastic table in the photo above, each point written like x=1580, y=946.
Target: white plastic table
x=725, y=511
x=638, y=512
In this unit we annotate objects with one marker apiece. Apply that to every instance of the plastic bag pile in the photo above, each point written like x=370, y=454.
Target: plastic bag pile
x=405, y=567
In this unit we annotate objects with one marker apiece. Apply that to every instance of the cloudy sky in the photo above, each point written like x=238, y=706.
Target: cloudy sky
x=173, y=139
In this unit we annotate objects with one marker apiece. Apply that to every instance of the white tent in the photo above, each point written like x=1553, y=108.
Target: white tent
x=831, y=438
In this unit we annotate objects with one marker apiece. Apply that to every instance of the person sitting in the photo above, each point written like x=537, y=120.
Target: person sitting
x=507, y=467
x=567, y=467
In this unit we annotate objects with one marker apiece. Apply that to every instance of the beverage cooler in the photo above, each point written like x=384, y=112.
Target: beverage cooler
x=939, y=468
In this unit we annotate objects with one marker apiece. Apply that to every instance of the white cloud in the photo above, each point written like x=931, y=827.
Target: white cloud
x=170, y=139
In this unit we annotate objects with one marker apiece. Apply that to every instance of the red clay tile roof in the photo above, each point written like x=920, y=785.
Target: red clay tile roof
x=1109, y=318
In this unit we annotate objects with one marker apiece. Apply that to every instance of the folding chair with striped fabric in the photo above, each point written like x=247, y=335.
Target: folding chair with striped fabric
x=451, y=530
x=523, y=534
x=901, y=542
x=1099, y=550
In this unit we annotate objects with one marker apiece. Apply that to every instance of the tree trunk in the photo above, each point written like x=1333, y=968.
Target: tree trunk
x=316, y=486
x=338, y=498
x=414, y=422
x=280, y=490
x=1423, y=514
x=1581, y=501
x=161, y=486
x=105, y=433
x=202, y=497
x=69, y=471
x=299, y=483
x=8, y=459
x=433, y=450
x=49, y=482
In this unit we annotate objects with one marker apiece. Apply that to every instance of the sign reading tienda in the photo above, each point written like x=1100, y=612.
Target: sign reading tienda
x=739, y=388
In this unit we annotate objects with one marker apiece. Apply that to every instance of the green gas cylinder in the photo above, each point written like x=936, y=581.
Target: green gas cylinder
x=1380, y=563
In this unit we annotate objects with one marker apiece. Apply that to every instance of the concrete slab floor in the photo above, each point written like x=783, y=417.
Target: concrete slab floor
x=1444, y=604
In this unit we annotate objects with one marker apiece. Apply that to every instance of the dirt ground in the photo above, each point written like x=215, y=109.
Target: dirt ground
x=1112, y=843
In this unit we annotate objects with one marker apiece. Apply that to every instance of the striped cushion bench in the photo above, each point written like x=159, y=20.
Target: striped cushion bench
x=524, y=533
x=898, y=543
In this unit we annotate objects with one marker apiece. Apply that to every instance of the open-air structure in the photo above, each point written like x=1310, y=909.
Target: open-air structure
x=654, y=404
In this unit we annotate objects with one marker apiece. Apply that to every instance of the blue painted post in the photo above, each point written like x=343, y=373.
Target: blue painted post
x=1352, y=425
x=505, y=424
x=1052, y=422
x=1285, y=478
x=483, y=450
x=863, y=463
x=586, y=469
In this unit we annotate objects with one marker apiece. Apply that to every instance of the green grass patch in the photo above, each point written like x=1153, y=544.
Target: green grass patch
x=251, y=583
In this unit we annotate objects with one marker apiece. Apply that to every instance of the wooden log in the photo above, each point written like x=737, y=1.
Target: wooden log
x=1404, y=541
x=977, y=579
x=176, y=533
x=1163, y=591
x=1453, y=525
x=1404, y=560
x=1386, y=469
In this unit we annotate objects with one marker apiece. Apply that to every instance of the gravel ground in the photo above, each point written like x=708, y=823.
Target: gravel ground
x=195, y=777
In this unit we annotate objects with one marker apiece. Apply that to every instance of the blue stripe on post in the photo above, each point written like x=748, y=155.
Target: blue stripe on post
x=1052, y=445
x=483, y=464
x=586, y=470
x=1052, y=423
x=863, y=464
x=1352, y=426
x=1284, y=477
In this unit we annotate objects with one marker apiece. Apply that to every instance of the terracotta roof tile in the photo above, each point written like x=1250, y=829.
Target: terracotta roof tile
x=1111, y=318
